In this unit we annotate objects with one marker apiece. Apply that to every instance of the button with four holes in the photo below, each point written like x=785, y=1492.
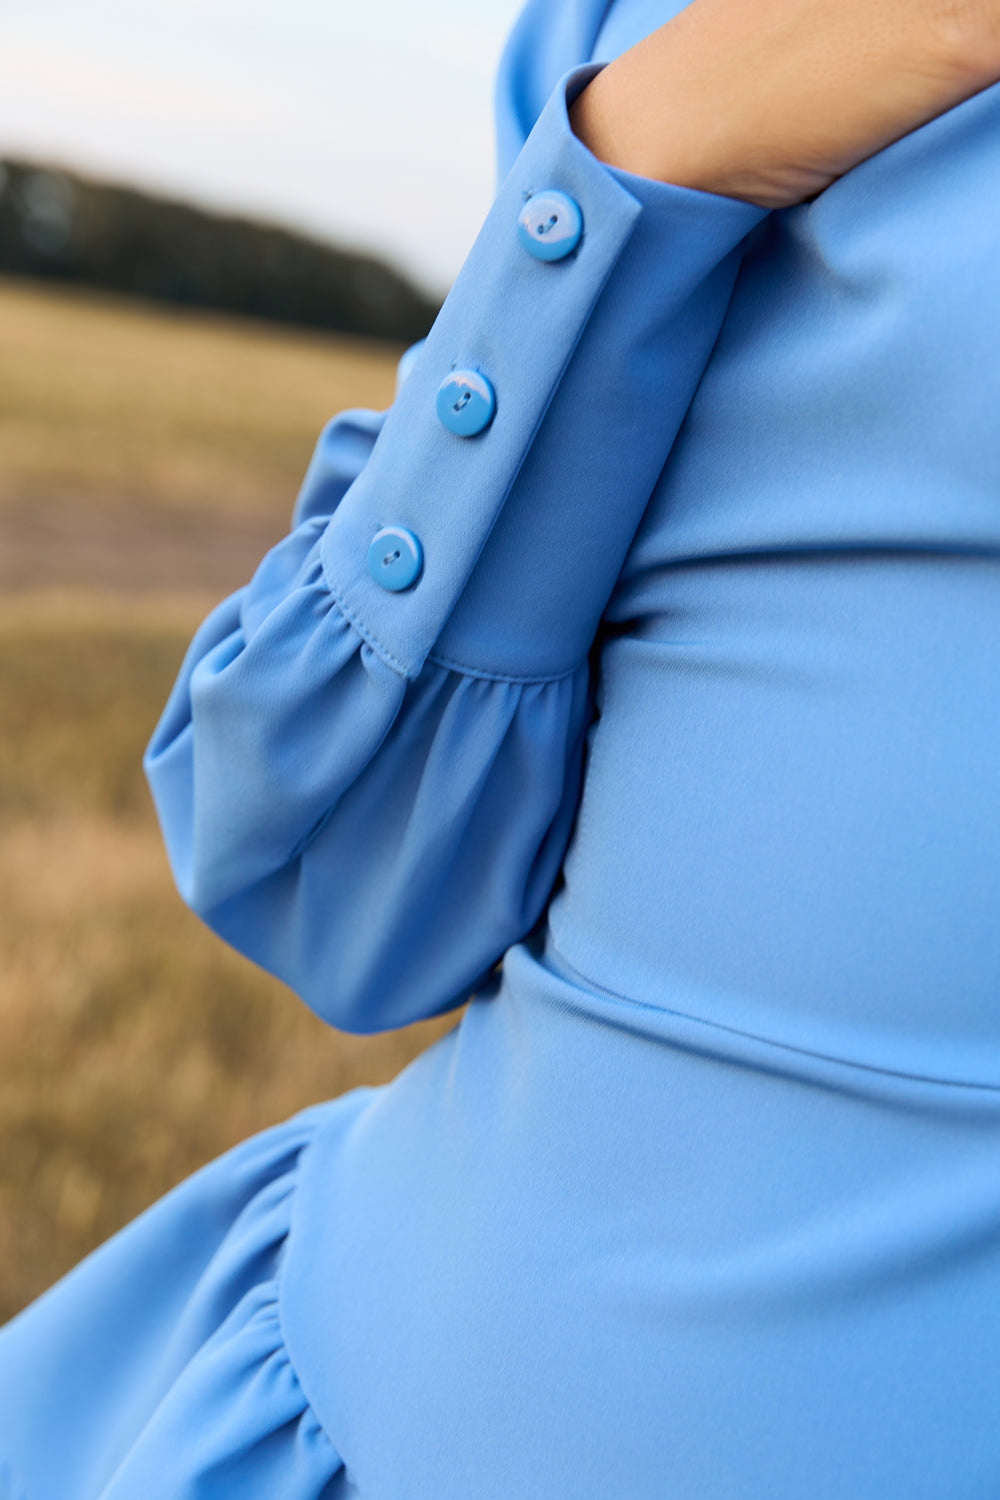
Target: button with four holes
x=395, y=558
x=550, y=225
x=466, y=402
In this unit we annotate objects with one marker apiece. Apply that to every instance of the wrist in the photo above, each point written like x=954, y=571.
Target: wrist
x=616, y=118
x=662, y=112
x=638, y=116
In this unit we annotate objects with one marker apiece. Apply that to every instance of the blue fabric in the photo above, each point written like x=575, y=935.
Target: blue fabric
x=158, y=1365
x=682, y=757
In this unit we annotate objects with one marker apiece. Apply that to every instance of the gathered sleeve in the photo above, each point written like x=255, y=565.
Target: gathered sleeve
x=370, y=792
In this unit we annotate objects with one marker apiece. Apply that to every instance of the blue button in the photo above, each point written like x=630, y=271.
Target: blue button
x=550, y=225
x=395, y=558
x=466, y=402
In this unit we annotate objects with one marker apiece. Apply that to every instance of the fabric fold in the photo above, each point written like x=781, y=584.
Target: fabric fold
x=282, y=709
x=161, y=1361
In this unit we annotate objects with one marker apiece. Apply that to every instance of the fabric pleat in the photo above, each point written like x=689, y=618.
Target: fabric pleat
x=158, y=1366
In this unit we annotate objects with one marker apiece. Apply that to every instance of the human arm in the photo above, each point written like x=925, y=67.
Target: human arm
x=370, y=793
x=772, y=100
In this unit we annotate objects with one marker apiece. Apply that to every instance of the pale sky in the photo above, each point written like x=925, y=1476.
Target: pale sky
x=369, y=123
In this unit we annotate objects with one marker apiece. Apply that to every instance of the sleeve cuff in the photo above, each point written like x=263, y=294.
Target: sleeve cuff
x=643, y=296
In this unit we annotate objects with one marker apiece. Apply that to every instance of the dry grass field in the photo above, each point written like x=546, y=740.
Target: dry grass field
x=146, y=461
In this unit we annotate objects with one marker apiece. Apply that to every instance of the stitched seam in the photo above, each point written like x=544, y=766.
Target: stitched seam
x=279, y=1282
x=387, y=656
x=401, y=669
x=279, y=1314
x=767, y=1041
x=280, y=1286
x=467, y=671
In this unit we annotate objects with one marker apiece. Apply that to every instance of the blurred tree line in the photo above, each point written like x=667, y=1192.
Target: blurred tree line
x=61, y=226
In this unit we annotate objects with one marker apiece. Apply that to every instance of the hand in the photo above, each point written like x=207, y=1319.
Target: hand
x=770, y=101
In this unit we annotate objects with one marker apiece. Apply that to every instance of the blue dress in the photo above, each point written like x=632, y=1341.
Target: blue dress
x=681, y=752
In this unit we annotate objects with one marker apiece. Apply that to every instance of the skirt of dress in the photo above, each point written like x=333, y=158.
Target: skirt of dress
x=582, y=1247
x=158, y=1366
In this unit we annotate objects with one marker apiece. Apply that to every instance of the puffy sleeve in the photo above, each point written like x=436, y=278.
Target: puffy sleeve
x=369, y=790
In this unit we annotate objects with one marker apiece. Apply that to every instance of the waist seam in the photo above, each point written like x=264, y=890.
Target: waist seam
x=792, y=1049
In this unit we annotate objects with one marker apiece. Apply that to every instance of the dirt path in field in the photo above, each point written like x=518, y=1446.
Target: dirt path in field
x=151, y=449
x=66, y=542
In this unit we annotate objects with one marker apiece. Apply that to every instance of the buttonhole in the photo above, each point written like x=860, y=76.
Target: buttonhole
x=390, y=557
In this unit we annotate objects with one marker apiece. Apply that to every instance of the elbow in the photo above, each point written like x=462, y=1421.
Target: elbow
x=208, y=872
x=362, y=969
